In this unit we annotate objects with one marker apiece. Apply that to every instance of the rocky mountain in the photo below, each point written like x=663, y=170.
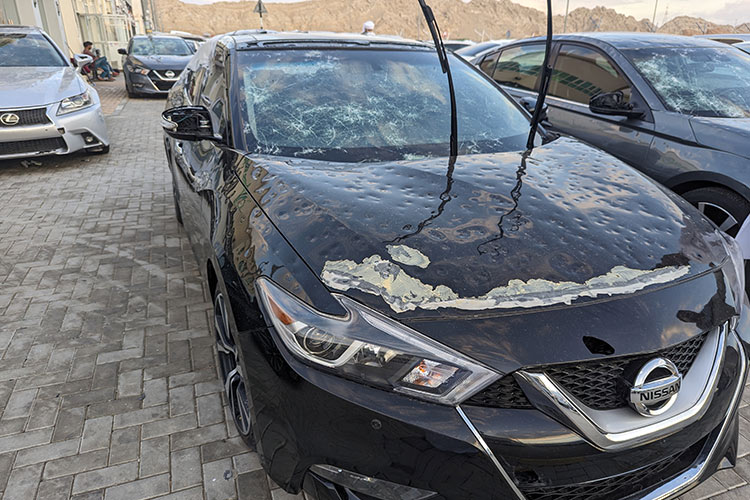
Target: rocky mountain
x=477, y=19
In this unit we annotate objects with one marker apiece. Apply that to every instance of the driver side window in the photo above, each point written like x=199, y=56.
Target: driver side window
x=581, y=73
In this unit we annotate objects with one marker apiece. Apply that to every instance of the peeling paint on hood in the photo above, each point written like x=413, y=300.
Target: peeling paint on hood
x=408, y=256
x=403, y=292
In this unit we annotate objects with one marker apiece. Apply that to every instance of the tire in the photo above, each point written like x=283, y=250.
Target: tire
x=230, y=371
x=727, y=209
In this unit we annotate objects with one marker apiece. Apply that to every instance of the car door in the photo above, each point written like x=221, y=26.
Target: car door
x=579, y=73
x=184, y=169
x=201, y=160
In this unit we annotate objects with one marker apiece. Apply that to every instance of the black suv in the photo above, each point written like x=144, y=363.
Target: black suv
x=154, y=63
x=395, y=323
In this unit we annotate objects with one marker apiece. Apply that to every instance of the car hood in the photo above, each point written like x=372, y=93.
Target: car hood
x=726, y=134
x=494, y=239
x=37, y=86
x=423, y=236
x=162, y=62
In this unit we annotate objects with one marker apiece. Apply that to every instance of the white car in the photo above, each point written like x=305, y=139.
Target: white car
x=46, y=106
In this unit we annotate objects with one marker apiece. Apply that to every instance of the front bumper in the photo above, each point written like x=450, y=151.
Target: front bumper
x=151, y=84
x=63, y=134
x=304, y=418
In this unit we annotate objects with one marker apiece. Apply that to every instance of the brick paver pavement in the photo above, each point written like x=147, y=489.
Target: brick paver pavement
x=108, y=387
x=111, y=94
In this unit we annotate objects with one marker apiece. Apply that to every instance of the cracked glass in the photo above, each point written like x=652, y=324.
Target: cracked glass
x=365, y=105
x=698, y=81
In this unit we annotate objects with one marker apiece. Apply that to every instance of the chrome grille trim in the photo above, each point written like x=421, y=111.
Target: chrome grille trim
x=610, y=430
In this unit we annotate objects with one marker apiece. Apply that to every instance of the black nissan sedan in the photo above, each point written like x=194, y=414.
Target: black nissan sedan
x=676, y=108
x=395, y=323
x=154, y=63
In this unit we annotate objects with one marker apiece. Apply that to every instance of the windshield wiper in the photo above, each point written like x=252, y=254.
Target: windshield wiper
x=443, y=56
x=546, y=74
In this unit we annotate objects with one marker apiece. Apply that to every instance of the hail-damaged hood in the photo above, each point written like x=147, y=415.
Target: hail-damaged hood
x=491, y=237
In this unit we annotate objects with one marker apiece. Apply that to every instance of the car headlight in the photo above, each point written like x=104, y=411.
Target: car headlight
x=138, y=69
x=735, y=275
x=372, y=349
x=70, y=104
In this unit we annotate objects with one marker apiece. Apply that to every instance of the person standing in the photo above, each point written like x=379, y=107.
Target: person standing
x=99, y=62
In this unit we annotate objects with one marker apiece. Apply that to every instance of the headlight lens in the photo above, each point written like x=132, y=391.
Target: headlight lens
x=70, y=104
x=138, y=69
x=372, y=349
x=736, y=274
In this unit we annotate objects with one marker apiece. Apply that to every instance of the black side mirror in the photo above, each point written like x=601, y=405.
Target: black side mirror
x=529, y=104
x=122, y=51
x=613, y=104
x=191, y=123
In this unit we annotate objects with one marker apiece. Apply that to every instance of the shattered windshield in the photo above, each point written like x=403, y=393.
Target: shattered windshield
x=699, y=81
x=356, y=105
x=160, y=47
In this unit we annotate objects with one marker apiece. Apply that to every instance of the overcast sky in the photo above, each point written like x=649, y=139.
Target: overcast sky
x=718, y=11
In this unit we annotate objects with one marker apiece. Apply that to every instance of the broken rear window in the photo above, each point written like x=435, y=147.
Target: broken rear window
x=698, y=81
x=360, y=105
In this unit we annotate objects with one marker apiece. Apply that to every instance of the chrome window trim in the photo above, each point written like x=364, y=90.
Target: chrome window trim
x=612, y=430
x=490, y=455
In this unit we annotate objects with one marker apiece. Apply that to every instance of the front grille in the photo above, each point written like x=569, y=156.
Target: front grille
x=161, y=73
x=594, y=383
x=162, y=84
x=37, y=145
x=620, y=486
x=505, y=393
x=36, y=116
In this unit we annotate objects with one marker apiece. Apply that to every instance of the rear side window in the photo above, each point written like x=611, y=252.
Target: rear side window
x=488, y=64
x=28, y=49
x=581, y=73
x=519, y=67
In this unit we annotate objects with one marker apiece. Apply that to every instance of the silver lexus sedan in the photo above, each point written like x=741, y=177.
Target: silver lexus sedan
x=46, y=106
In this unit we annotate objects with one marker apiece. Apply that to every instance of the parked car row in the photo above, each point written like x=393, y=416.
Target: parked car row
x=394, y=322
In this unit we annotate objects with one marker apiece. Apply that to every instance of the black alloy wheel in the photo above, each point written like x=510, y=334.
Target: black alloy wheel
x=229, y=369
x=725, y=208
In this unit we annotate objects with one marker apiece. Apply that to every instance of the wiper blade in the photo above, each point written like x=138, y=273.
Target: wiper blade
x=544, y=84
x=443, y=56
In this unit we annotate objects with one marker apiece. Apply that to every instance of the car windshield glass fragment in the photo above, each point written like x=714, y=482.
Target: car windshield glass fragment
x=355, y=105
x=28, y=49
x=698, y=81
x=160, y=47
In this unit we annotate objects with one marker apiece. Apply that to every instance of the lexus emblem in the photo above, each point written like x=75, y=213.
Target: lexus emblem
x=9, y=119
x=656, y=387
x=169, y=74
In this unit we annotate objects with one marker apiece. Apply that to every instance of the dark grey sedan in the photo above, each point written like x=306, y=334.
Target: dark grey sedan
x=677, y=108
x=153, y=63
